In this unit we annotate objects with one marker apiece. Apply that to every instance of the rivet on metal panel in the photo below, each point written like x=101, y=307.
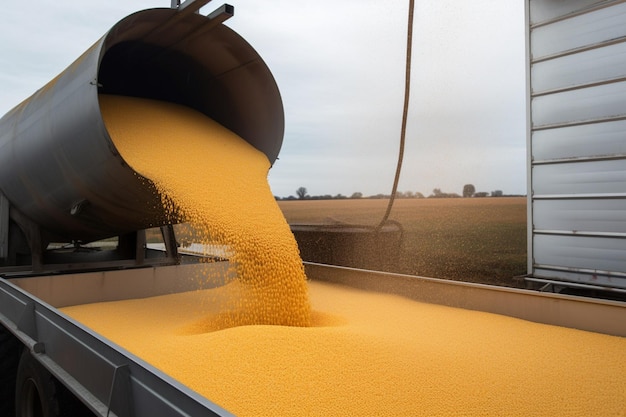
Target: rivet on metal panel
x=39, y=347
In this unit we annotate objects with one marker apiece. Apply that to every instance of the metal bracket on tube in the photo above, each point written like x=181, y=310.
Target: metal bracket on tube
x=189, y=6
x=192, y=6
x=226, y=11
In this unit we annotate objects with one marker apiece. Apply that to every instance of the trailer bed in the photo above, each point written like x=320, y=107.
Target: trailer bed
x=111, y=380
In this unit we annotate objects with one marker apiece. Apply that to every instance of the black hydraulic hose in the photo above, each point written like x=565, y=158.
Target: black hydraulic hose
x=405, y=111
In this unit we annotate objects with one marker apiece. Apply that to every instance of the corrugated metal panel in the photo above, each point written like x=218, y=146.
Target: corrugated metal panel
x=577, y=93
x=598, y=27
x=595, y=140
x=582, y=178
x=589, y=256
x=590, y=104
x=583, y=217
x=586, y=68
x=592, y=278
x=542, y=11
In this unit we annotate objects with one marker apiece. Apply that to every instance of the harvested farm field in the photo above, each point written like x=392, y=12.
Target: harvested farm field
x=479, y=240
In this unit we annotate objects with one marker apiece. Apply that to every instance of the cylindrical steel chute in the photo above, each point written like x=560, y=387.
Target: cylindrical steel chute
x=58, y=165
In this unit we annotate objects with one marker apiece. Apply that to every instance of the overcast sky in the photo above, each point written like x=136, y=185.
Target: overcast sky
x=340, y=69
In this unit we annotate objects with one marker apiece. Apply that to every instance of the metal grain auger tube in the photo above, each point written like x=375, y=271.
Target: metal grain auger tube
x=61, y=177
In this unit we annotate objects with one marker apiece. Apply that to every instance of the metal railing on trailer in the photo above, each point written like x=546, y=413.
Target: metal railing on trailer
x=109, y=380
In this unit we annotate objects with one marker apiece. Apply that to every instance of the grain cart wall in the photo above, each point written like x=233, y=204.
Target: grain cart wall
x=577, y=143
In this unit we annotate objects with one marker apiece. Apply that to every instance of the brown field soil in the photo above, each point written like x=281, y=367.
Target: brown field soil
x=468, y=239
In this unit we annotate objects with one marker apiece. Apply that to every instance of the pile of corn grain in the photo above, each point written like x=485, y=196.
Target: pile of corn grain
x=362, y=354
x=372, y=355
x=219, y=183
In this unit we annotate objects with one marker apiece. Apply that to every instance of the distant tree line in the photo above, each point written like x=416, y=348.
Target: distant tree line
x=469, y=191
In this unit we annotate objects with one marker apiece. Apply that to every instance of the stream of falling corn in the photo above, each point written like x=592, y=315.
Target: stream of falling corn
x=217, y=182
x=364, y=354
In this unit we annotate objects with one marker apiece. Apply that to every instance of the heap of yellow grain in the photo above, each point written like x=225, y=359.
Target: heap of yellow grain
x=363, y=354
